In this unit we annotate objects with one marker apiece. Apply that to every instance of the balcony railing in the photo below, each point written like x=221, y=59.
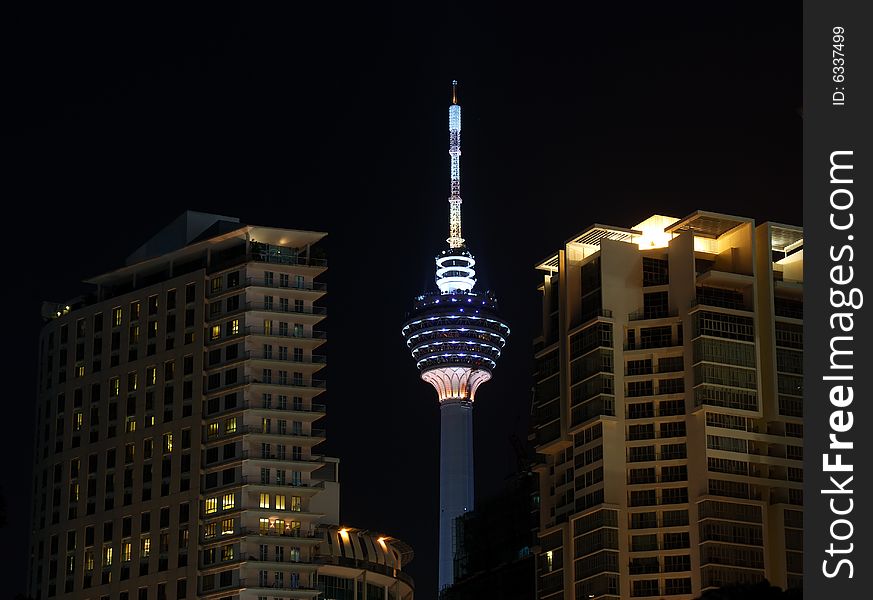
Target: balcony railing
x=275, y=259
x=363, y=565
x=318, y=359
x=311, y=485
x=274, y=332
x=293, y=533
x=245, y=429
x=290, y=309
x=314, y=407
x=315, y=286
x=642, y=315
x=719, y=303
x=246, y=583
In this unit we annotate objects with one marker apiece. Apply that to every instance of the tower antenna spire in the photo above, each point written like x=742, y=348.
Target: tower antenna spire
x=455, y=240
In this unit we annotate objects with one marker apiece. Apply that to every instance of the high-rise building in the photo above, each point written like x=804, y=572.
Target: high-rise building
x=455, y=336
x=494, y=545
x=668, y=409
x=175, y=447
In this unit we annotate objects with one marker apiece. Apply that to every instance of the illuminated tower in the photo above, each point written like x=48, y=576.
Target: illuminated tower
x=455, y=336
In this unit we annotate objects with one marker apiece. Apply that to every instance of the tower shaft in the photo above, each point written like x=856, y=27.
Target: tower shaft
x=456, y=478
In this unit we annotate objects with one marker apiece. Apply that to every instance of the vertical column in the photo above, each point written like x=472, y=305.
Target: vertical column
x=456, y=477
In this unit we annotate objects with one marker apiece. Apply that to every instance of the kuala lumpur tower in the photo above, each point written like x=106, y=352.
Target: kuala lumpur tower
x=455, y=336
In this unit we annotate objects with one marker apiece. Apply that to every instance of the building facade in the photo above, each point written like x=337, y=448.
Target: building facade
x=177, y=423
x=668, y=409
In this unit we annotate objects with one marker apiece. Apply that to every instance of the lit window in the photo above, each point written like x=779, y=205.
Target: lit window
x=89, y=561
x=227, y=552
x=125, y=551
x=114, y=387
x=268, y=327
x=215, y=284
x=211, y=505
x=134, y=311
x=209, y=530
x=234, y=327
x=265, y=501
x=216, y=332
x=132, y=381
x=227, y=527
x=145, y=547
x=74, y=492
x=296, y=503
x=116, y=316
x=151, y=375
x=134, y=334
x=77, y=420
x=227, y=501
x=230, y=425
x=107, y=556
x=264, y=525
x=80, y=371
x=280, y=502
x=130, y=424
x=168, y=442
x=212, y=429
x=150, y=421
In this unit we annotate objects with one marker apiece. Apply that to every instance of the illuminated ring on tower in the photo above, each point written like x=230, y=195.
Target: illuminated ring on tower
x=455, y=271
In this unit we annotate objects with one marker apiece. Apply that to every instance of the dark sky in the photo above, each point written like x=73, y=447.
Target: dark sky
x=334, y=118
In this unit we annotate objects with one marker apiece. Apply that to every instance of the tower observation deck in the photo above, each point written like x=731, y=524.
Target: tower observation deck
x=455, y=336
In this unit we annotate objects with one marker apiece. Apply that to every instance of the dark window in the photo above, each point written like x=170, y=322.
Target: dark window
x=655, y=271
x=655, y=305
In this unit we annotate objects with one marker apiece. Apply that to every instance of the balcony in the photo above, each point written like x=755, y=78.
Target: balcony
x=257, y=430
x=244, y=584
x=312, y=408
x=363, y=565
x=274, y=332
x=644, y=315
x=273, y=308
x=313, y=286
x=319, y=384
x=258, y=255
x=701, y=301
x=312, y=383
x=313, y=460
x=315, y=359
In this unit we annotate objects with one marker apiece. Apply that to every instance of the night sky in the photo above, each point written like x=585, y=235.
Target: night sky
x=334, y=118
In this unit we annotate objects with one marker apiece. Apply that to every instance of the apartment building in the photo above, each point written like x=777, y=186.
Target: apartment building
x=667, y=415
x=177, y=426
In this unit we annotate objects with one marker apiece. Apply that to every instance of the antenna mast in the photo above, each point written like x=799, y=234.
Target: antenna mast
x=455, y=240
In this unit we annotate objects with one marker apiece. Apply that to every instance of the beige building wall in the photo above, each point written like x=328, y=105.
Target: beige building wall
x=668, y=431
x=177, y=427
